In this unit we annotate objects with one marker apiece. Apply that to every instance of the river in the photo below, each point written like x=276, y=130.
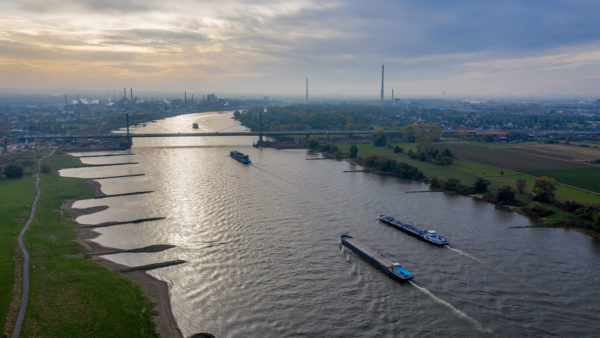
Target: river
x=263, y=256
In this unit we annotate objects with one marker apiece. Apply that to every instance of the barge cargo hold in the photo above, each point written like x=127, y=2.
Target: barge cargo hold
x=430, y=236
x=393, y=269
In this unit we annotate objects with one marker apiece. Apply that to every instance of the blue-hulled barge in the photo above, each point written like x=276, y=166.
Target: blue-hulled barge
x=393, y=269
x=240, y=157
x=430, y=236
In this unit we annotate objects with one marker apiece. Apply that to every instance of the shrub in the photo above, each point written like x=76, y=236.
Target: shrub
x=353, y=151
x=451, y=184
x=481, y=185
x=398, y=149
x=436, y=182
x=45, y=168
x=13, y=171
x=537, y=209
x=505, y=195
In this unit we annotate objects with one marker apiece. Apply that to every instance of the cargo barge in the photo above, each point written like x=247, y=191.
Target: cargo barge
x=393, y=269
x=430, y=236
x=240, y=157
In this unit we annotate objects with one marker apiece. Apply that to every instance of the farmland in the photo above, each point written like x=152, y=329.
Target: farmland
x=586, y=178
x=527, y=157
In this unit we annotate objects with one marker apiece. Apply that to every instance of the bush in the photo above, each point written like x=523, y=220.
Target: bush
x=481, y=185
x=463, y=189
x=380, y=139
x=451, y=184
x=13, y=171
x=537, y=209
x=353, y=150
x=436, y=182
x=45, y=168
x=505, y=195
x=313, y=144
x=398, y=149
x=521, y=183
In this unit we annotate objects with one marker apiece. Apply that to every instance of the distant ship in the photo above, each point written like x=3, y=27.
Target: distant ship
x=430, y=236
x=195, y=125
x=393, y=269
x=240, y=157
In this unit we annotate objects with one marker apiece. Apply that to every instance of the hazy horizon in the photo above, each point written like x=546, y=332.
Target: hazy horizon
x=430, y=49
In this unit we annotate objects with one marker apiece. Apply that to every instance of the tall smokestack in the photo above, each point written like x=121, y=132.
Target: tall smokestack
x=392, y=95
x=131, y=93
x=382, y=71
x=125, y=93
x=306, y=90
x=185, y=97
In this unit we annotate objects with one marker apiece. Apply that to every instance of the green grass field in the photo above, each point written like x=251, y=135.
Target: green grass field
x=16, y=196
x=586, y=178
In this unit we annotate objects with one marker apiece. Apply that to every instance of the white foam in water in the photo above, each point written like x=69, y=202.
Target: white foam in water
x=466, y=254
x=483, y=262
x=455, y=310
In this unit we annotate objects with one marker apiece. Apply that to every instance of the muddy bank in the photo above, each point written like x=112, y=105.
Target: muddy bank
x=155, y=290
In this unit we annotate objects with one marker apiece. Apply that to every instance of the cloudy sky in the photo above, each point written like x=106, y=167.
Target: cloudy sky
x=478, y=47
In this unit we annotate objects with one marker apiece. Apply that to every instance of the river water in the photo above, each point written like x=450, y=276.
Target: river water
x=263, y=256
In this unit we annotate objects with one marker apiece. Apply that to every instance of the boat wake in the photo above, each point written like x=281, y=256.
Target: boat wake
x=451, y=307
x=487, y=264
x=466, y=254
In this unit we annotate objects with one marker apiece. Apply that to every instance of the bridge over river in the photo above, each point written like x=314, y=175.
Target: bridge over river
x=205, y=134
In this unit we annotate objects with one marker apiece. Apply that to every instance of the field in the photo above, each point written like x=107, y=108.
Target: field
x=526, y=157
x=586, y=178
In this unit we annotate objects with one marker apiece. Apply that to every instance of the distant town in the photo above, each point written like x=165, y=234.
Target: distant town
x=488, y=121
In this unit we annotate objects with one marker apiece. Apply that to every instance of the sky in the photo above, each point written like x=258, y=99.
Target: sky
x=260, y=47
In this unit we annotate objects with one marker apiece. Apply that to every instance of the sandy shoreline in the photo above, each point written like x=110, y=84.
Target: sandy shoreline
x=155, y=290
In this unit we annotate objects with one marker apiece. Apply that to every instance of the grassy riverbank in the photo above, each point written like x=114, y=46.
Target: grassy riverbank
x=71, y=294
x=468, y=172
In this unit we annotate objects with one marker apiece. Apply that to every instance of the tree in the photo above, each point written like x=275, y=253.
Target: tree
x=521, y=183
x=45, y=168
x=353, y=150
x=481, y=185
x=13, y=171
x=398, y=149
x=543, y=189
x=380, y=138
x=408, y=132
x=505, y=195
x=425, y=134
x=313, y=144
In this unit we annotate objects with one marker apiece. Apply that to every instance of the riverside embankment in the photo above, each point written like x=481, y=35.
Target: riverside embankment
x=70, y=294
